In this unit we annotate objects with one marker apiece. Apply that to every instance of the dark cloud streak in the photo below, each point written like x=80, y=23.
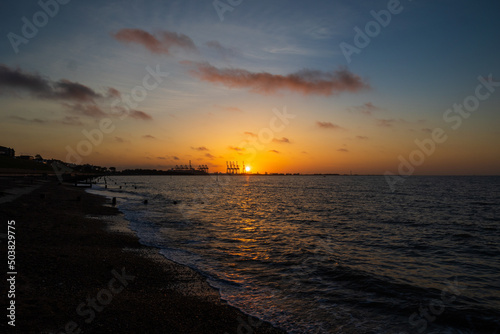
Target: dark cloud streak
x=329, y=125
x=283, y=140
x=16, y=78
x=137, y=114
x=75, y=96
x=367, y=108
x=160, y=44
x=307, y=82
x=43, y=88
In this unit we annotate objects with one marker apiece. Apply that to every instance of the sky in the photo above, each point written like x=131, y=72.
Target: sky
x=369, y=87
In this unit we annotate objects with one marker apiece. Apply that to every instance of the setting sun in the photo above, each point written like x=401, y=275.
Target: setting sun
x=247, y=169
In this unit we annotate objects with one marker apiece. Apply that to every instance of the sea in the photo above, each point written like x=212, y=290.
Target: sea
x=327, y=253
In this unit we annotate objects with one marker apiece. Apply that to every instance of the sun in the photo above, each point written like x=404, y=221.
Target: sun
x=247, y=169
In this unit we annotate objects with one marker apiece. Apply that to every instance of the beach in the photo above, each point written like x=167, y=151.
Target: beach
x=335, y=254
x=80, y=273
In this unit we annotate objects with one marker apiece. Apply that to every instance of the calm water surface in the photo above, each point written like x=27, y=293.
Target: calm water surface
x=334, y=254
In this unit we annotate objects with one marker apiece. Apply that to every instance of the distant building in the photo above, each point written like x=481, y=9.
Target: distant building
x=7, y=152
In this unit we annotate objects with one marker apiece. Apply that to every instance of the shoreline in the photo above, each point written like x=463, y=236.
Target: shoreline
x=79, y=270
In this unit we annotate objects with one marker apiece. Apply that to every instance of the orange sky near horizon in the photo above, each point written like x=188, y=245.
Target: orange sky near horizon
x=216, y=136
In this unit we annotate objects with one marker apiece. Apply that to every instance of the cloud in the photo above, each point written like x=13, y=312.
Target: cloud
x=282, y=140
x=274, y=151
x=160, y=158
x=91, y=110
x=208, y=155
x=307, y=82
x=401, y=121
x=343, y=150
x=148, y=137
x=137, y=114
x=17, y=79
x=201, y=148
x=232, y=109
x=251, y=134
x=290, y=49
x=120, y=140
x=224, y=52
x=71, y=120
x=386, y=123
x=33, y=120
x=175, y=158
x=328, y=125
x=319, y=30
x=44, y=88
x=159, y=44
x=67, y=90
x=67, y=120
x=366, y=109
x=95, y=111
x=362, y=137
x=113, y=92
x=237, y=149
x=427, y=130
x=140, y=37
x=75, y=96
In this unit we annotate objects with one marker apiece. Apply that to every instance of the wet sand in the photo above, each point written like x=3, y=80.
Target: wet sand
x=79, y=274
